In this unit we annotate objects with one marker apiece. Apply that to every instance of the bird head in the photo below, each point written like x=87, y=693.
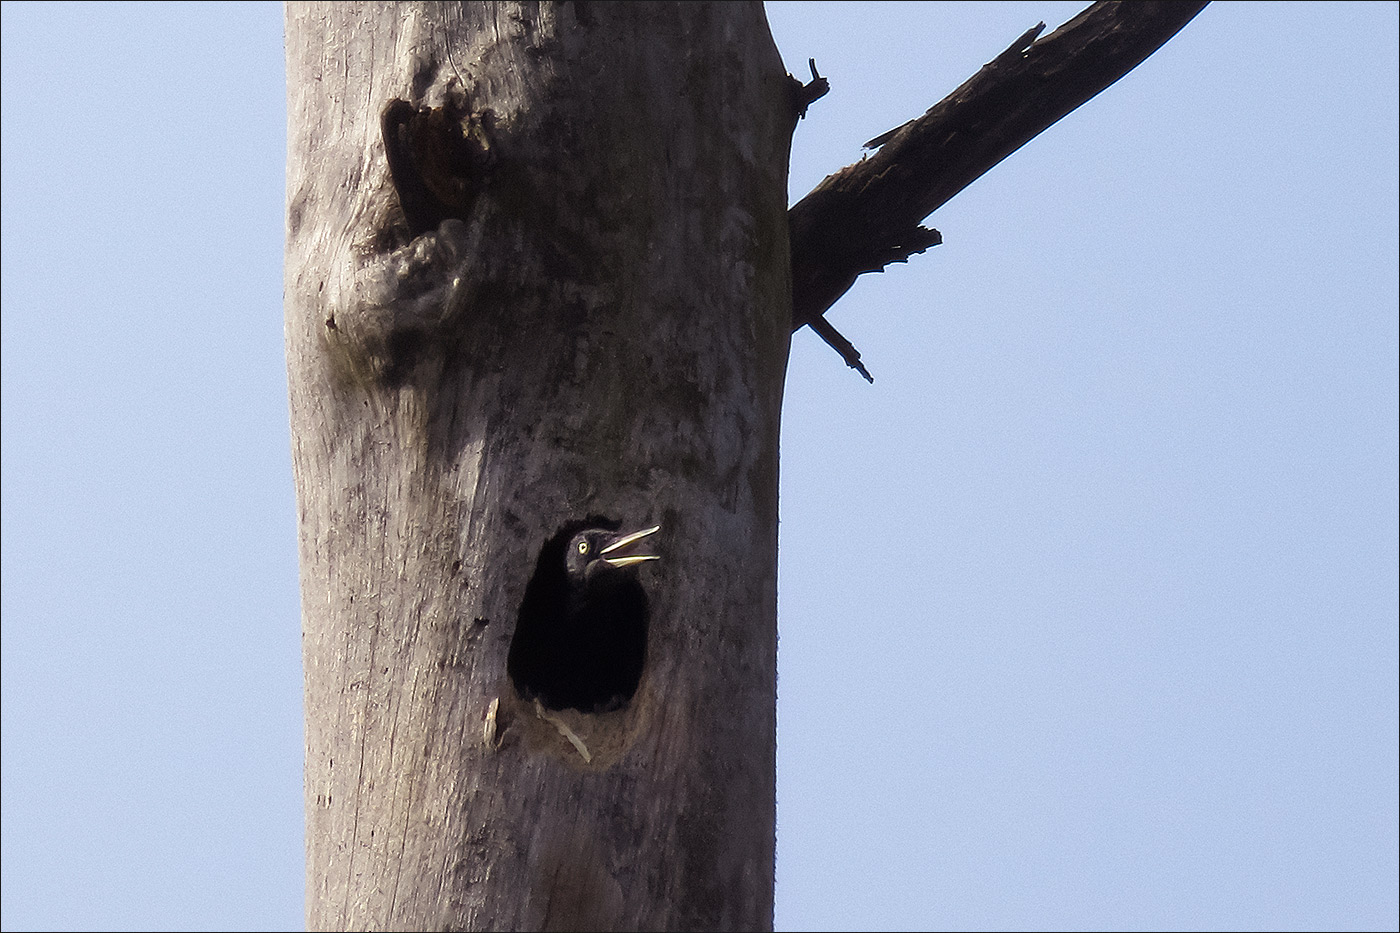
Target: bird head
x=597, y=550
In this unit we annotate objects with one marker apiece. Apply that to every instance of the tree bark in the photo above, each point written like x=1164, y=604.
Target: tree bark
x=591, y=316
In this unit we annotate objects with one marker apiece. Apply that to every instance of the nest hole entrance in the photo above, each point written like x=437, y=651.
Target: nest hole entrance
x=581, y=632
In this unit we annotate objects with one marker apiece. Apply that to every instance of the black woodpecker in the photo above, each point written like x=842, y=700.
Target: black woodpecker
x=581, y=636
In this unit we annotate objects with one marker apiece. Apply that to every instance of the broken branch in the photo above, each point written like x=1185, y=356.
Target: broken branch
x=868, y=215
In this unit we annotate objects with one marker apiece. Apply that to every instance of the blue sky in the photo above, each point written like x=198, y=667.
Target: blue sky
x=1087, y=608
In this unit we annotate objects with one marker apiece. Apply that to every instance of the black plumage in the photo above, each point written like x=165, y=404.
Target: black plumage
x=581, y=635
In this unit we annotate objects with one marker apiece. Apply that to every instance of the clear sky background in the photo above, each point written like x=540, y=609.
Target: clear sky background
x=1088, y=606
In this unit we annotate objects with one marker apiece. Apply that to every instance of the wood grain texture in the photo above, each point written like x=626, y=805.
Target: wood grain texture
x=604, y=331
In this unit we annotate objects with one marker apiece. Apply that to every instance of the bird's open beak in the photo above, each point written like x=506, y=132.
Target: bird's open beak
x=625, y=541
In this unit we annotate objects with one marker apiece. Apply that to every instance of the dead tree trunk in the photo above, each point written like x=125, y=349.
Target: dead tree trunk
x=538, y=276
x=571, y=298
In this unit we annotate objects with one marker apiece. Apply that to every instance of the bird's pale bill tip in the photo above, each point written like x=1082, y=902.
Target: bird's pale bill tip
x=628, y=539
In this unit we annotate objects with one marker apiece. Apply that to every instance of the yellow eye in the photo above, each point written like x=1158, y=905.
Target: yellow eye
x=583, y=547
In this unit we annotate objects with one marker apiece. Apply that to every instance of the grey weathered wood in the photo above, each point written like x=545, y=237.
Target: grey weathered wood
x=605, y=332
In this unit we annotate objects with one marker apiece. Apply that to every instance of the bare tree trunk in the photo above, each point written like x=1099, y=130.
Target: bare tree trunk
x=538, y=272
x=592, y=319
